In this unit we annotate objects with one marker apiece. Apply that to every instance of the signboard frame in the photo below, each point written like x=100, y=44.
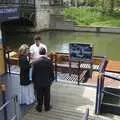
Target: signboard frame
x=9, y=13
x=81, y=52
x=79, y=56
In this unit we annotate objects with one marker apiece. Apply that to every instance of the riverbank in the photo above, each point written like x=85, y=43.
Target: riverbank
x=68, y=26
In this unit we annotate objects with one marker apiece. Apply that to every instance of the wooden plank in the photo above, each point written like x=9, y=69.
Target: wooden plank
x=67, y=100
x=113, y=66
x=2, y=62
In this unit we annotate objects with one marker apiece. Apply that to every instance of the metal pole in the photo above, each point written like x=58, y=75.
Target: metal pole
x=9, y=71
x=16, y=107
x=79, y=72
x=69, y=65
x=5, y=109
x=56, y=67
x=97, y=91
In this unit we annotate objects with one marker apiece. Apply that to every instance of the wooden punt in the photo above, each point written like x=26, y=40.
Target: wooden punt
x=12, y=58
x=62, y=64
x=61, y=59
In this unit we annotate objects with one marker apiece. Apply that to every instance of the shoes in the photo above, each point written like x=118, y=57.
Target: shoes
x=38, y=109
x=48, y=109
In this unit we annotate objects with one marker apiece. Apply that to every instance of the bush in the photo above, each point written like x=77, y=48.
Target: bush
x=91, y=16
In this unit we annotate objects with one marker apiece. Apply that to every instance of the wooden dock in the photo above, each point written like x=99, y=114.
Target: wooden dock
x=113, y=66
x=69, y=103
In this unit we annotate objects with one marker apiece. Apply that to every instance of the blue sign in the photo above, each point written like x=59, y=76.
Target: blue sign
x=80, y=52
x=9, y=13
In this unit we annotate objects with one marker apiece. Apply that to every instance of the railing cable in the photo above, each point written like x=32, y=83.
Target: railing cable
x=111, y=93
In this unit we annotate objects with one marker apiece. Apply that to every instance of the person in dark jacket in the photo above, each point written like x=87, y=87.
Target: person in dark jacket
x=43, y=76
x=27, y=91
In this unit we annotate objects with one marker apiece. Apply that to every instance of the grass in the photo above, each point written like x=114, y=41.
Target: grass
x=91, y=17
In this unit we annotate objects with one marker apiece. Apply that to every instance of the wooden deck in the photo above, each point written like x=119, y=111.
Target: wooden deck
x=108, y=82
x=113, y=66
x=69, y=103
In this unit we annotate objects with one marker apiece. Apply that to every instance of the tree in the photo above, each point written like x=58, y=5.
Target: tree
x=105, y=6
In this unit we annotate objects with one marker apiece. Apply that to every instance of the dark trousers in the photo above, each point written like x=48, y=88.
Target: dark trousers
x=43, y=95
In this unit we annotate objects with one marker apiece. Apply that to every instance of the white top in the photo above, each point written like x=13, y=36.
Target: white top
x=34, y=50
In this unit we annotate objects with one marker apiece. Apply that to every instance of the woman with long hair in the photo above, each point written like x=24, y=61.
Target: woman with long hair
x=27, y=91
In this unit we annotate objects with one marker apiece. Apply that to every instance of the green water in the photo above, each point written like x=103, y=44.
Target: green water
x=104, y=44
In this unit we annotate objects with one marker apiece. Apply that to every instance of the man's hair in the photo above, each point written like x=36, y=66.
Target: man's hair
x=37, y=37
x=42, y=51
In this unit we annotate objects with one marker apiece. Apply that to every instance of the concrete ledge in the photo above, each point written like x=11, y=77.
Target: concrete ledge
x=110, y=30
x=97, y=29
x=90, y=29
x=85, y=29
x=68, y=26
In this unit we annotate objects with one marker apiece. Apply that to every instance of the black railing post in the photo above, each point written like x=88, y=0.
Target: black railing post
x=9, y=71
x=79, y=72
x=5, y=109
x=16, y=107
x=55, y=67
x=70, y=65
x=102, y=82
x=100, y=87
x=100, y=92
x=97, y=95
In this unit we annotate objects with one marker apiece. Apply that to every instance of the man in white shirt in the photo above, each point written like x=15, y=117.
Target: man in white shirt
x=34, y=51
x=35, y=48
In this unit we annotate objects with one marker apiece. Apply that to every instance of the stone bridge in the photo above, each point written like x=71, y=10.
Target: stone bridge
x=38, y=13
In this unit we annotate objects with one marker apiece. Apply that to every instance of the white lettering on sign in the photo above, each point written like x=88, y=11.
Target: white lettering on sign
x=8, y=10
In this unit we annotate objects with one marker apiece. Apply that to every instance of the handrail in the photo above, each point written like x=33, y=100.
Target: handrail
x=111, y=93
x=103, y=65
x=115, y=78
x=100, y=87
x=100, y=90
x=3, y=107
x=8, y=102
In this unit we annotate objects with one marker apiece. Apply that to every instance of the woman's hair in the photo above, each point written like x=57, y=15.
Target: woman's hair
x=37, y=37
x=23, y=49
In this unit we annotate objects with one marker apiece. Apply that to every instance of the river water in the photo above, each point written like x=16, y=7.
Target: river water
x=103, y=44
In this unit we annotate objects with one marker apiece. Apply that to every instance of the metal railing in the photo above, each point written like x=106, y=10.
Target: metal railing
x=100, y=86
x=3, y=108
x=100, y=91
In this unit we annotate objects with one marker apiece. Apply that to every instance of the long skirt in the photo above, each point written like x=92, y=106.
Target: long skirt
x=27, y=94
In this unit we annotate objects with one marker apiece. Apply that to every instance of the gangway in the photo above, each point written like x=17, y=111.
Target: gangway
x=107, y=98
x=5, y=104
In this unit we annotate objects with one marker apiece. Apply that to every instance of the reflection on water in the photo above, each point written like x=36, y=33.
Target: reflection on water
x=104, y=44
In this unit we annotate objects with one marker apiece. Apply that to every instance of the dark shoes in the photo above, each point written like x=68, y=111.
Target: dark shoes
x=48, y=109
x=38, y=109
